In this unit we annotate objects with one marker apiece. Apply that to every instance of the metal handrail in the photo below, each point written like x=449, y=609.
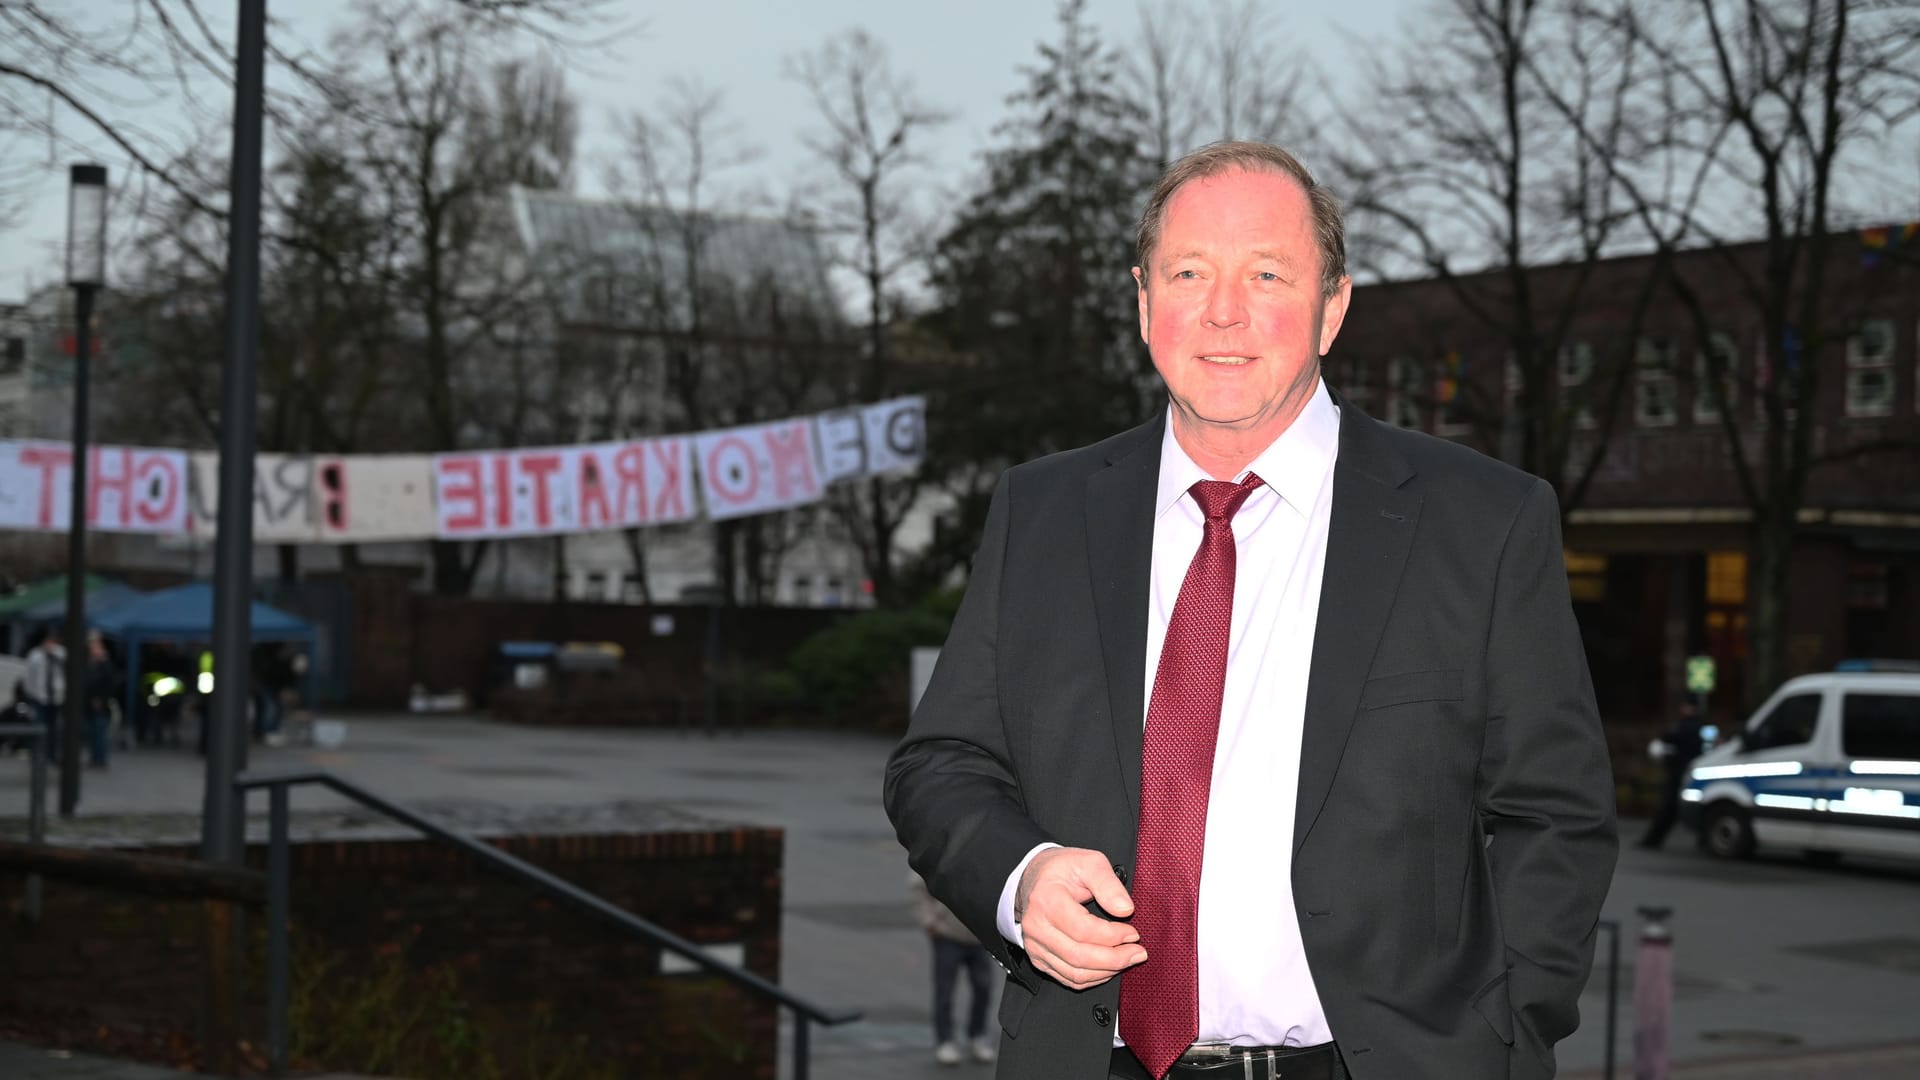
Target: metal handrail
x=1612, y=926
x=278, y=963
x=36, y=736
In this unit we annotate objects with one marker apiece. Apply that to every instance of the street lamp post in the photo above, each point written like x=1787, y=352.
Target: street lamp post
x=86, y=273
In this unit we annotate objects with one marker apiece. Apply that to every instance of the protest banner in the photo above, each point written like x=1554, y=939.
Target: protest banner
x=478, y=494
x=326, y=498
x=367, y=497
x=758, y=468
x=558, y=489
x=129, y=489
x=872, y=440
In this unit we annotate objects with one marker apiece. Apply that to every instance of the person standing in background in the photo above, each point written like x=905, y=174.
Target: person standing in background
x=1675, y=751
x=955, y=949
x=103, y=682
x=45, y=686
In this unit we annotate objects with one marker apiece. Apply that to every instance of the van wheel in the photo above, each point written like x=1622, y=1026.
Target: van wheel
x=1823, y=858
x=1729, y=832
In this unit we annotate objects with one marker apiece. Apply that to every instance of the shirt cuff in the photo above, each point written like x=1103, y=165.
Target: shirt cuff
x=1009, y=928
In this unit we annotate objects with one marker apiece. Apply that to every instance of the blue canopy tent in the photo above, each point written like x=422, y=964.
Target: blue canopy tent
x=185, y=614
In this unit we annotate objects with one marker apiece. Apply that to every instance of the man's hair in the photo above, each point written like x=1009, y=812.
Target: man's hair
x=1329, y=230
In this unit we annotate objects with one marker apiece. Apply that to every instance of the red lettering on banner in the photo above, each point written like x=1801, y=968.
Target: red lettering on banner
x=630, y=467
x=667, y=456
x=472, y=516
x=593, y=494
x=98, y=482
x=790, y=453
x=333, y=495
x=540, y=467
x=502, y=490
x=49, y=459
x=170, y=482
x=717, y=477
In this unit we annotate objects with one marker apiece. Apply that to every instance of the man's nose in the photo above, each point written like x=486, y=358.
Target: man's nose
x=1226, y=305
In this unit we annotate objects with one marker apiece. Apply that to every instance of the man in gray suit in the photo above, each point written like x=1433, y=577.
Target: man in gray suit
x=1263, y=744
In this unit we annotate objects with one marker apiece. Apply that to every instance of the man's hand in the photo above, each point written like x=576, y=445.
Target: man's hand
x=1069, y=944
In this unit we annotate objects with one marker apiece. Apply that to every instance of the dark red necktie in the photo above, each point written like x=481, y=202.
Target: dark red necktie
x=1160, y=999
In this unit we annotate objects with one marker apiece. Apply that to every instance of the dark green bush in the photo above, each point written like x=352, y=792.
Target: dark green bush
x=862, y=662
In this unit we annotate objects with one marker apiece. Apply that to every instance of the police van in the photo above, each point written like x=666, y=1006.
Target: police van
x=1829, y=766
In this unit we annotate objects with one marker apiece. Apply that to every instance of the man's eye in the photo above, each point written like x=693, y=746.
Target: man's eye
x=1268, y=275
x=1184, y=275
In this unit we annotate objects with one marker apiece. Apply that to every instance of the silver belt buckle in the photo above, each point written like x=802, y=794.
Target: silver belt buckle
x=1209, y=1053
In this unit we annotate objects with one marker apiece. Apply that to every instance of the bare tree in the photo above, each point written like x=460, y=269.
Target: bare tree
x=67, y=76
x=1783, y=106
x=872, y=145
x=706, y=322
x=1221, y=77
x=445, y=129
x=1470, y=173
x=1158, y=72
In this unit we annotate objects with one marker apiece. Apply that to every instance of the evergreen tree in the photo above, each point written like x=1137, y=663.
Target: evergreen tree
x=1033, y=285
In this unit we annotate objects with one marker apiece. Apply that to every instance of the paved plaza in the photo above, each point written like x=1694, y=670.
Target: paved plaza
x=1783, y=969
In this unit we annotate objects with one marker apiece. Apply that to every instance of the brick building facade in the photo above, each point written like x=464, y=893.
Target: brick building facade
x=1658, y=524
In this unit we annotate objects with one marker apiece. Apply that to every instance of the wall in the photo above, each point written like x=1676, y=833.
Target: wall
x=547, y=981
x=449, y=643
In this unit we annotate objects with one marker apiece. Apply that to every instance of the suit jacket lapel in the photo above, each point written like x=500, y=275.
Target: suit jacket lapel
x=1120, y=556
x=1372, y=528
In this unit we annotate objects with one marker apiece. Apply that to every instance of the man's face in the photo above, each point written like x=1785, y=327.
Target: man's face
x=1231, y=307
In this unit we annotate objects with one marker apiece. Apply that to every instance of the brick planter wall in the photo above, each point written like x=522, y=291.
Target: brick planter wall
x=533, y=976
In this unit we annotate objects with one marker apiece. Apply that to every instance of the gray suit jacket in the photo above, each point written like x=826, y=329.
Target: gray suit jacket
x=1454, y=833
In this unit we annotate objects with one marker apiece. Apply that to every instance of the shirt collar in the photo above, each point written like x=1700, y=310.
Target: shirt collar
x=1295, y=465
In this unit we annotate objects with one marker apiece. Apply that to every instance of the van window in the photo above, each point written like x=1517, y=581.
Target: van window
x=1880, y=726
x=1789, y=724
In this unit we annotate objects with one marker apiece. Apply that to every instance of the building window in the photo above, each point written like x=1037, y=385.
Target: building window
x=1654, y=388
x=596, y=585
x=1586, y=577
x=1727, y=577
x=13, y=357
x=1723, y=356
x=1870, y=369
x=1448, y=408
x=630, y=591
x=803, y=591
x=1403, y=389
x=1576, y=372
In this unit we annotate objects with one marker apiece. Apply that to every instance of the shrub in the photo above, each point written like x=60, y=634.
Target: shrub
x=862, y=662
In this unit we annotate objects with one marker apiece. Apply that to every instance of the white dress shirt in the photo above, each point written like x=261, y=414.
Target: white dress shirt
x=1255, y=988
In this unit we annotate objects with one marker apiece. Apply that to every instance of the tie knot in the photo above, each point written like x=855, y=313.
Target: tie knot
x=1221, y=499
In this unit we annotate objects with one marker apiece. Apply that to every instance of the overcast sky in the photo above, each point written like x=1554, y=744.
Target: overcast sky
x=963, y=57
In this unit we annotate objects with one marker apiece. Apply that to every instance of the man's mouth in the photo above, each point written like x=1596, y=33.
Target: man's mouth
x=1229, y=361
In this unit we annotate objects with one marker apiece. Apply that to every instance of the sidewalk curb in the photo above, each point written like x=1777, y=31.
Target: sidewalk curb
x=1788, y=1063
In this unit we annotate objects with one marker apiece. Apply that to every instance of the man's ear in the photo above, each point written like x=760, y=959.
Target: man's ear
x=1146, y=316
x=1333, y=312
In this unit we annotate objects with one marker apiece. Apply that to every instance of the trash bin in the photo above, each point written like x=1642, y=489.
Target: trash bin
x=524, y=665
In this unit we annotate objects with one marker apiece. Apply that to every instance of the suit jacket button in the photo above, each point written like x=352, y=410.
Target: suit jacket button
x=1120, y=872
x=1102, y=1015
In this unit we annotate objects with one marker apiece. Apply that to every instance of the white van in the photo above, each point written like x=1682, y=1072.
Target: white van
x=1829, y=766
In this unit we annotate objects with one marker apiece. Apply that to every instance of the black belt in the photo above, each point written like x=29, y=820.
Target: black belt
x=1215, y=1062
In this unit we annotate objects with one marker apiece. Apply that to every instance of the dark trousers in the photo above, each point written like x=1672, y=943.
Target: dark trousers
x=1668, y=812
x=949, y=958
x=49, y=717
x=99, y=724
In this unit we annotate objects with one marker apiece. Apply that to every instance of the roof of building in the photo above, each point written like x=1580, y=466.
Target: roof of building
x=627, y=262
